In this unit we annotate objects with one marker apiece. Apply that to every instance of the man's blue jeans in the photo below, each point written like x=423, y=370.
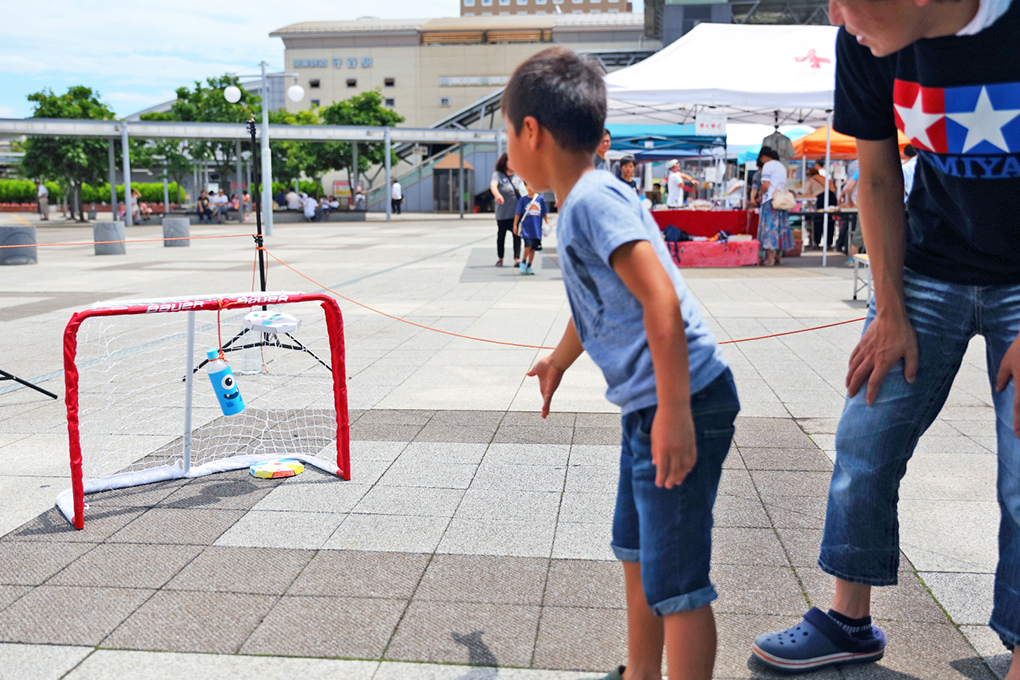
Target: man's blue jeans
x=874, y=443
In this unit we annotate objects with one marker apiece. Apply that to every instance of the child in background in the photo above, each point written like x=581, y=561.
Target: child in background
x=632, y=313
x=531, y=211
x=627, y=164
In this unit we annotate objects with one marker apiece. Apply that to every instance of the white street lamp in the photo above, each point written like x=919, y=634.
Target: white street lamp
x=232, y=94
x=295, y=93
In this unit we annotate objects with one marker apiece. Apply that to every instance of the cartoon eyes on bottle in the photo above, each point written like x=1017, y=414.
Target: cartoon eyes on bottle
x=227, y=382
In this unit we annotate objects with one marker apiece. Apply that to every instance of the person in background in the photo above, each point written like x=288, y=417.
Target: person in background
x=600, y=153
x=360, y=199
x=43, y=195
x=204, y=207
x=817, y=182
x=221, y=206
x=280, y=199
x=309, y=206
x=135, y=195
x=396, y=197
x=507, y=188
x=908, y=170
x=674, y=185
x=656, y=193
x=246, y=205
x=774, y=225
x=627, y=165
x=293, y=200
x=531, y=213
x=334, y=203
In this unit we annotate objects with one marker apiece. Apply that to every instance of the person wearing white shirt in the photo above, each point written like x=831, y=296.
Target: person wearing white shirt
x=293, y=200
x=674, y=185
x=309, y=204
x=44, y=202
x=908, y=170
x=774, y=225
x=396, y=196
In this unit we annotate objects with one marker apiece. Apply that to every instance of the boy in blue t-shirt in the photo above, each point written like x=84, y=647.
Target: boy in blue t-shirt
x=531, y=211
x=632, y=313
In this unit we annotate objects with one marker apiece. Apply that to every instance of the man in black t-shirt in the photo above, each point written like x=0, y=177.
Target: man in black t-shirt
x=947, y=74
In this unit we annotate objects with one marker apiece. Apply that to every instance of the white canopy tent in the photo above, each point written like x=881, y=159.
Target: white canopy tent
x=780, y=75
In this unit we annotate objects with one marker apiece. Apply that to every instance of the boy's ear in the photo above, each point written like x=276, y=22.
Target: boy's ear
x=531, y=133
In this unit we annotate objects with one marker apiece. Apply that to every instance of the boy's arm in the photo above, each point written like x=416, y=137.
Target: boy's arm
x=674, y=450
x=517, y=219
x=550, y=369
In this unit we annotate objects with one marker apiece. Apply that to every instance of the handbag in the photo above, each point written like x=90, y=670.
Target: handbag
x=783, y=200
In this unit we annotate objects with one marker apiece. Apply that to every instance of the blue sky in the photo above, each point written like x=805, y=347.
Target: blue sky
x=136, y=54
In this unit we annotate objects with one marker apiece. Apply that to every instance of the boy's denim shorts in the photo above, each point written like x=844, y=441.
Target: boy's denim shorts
x=670, y=531
x=874, y=443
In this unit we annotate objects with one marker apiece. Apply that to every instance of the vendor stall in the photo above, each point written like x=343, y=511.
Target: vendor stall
x=708, y=223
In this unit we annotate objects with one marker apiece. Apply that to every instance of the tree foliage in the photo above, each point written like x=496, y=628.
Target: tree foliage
x=72, y=161
x=362, y=109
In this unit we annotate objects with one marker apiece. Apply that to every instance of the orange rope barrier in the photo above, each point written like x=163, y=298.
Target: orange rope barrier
x=134, y=240
x=514, y=344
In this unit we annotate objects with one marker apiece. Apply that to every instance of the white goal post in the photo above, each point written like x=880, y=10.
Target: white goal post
x=140, y=409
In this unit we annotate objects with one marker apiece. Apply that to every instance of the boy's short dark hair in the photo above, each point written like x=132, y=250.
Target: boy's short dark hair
x=564, y=93
x=628, y=159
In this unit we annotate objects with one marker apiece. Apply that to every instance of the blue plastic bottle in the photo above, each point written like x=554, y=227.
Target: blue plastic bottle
x=222, y=379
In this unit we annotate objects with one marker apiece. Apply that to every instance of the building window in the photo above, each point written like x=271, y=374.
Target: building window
x=366, y=62
x=486, y=3
x=504, y=3
x=444, y=101
x=469, y=3
x=389, y=102
x=522, y=2
x=314, y=84
x=577, y=2
x=352, y=82
x=390, y=82
x=315, y=102
x=557, y=2
x=540, y=2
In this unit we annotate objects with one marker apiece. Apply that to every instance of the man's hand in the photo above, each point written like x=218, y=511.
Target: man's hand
x=548, y=380
x=1009, y=369
x=674, y=449
x=887, y=340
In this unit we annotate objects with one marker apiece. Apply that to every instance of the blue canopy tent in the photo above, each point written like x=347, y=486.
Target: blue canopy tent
x=637, y=138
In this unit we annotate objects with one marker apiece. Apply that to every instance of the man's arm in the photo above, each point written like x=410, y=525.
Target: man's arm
x=674, y=450
x=890, y=337
x=550, y=369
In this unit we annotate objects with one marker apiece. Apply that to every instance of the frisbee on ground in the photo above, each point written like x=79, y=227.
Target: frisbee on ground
x=274, y=469
x=271, y=322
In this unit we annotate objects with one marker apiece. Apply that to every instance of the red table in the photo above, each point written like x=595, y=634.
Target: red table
x=707, y=223
x=715, y=254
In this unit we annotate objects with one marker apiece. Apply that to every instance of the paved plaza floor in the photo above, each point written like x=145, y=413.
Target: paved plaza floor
x=472, y=541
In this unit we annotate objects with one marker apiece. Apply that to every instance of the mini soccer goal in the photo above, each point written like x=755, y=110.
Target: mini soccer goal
x=141, y=407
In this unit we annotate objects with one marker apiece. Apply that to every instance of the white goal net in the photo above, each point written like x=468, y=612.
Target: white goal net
x=135, y=417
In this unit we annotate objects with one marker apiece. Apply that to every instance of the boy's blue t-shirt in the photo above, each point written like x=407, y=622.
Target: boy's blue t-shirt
x=531, y=223
x=599, y=215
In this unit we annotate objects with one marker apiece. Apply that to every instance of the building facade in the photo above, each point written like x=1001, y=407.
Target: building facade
x=485, y=8
x=428, y=69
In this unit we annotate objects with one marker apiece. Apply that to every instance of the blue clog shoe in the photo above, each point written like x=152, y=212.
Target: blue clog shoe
x=816, y=642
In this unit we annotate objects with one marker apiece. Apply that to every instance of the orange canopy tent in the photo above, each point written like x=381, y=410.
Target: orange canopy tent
x=843, y=147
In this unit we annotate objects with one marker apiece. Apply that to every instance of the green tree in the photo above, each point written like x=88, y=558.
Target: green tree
x=291, y=160
x=72, y=161
x=206, y=104
x=169, y=155
x=362, y=109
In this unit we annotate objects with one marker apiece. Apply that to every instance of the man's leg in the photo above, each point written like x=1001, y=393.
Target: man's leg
x=1001, y=325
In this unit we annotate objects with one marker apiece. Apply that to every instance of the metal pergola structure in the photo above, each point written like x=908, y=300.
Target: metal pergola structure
x=113, y=129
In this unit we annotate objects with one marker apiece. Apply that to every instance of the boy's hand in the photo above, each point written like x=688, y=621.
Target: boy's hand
x=674, y=448
x=1009, y=369
x=548, y=380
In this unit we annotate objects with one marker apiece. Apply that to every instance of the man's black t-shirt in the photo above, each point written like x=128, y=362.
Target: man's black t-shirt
x=958, y=101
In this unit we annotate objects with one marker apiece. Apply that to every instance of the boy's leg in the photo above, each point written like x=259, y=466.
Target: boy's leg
x=645, y=633
x=1001, y=324
x=690, y=644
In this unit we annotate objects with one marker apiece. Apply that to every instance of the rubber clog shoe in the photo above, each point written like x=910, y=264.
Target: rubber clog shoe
x=617, y=674
x=816, y=642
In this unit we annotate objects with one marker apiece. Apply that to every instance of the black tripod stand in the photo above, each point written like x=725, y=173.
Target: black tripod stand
x=265, y=339
x=4, y=375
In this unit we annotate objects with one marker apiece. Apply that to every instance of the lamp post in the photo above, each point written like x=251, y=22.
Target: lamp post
x=295, y=93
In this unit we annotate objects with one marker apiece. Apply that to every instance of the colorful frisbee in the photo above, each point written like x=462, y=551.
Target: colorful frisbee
x=274, y=469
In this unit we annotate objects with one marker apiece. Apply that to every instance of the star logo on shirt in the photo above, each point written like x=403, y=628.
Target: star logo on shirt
x=912, y=118
x=985, y=123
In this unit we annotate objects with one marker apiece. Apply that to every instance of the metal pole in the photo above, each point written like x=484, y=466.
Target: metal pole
x=499, y=143
x=113, y=183
x=166, y=194
x=354, y=184
x=267, y=159
x=460, y=181
x=828, y=178
x=126, y=152
x=389, y=185
x=240, y=202
x=188, y=380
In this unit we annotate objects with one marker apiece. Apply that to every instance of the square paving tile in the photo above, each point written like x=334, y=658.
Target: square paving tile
x=791, y=483
x=608, y=420
x=581, y=639
x=987, y=643
x=388, y=533
x=519, y=477
x=496, y=503
x=785, y=459
x=327, y=495
x=796, y=513
x=587, y=507
x=919, y=650
x=52, y=526
x=591, y=454
x=599, y=436
x=395, y=417
x=739, y=511
x=747, y=546
x=528, y=434
x=475, y=634
x=23, y=562
x=146, y=495
x=770, y=433
x=802, y=545
x=9, y=594
x=379, y=432
x=528, y=454
x=39, y=662
x=527, y=538
x=402, y=500
x=61, y=615
x=227, y=491
x=213, y=623
x=494, y=580
x=375, y=450
x=585, y=583
x=440, y=454
x=908, y=601
x=326, y=627
x=461, y=426
x=163, y=525
x=414, y=473
x=592, y=479
x=289, y=530
x=127, y=565
x=753, y=589
x=967, y=598
x=242, y=570
x=584, y=540
x=352, y=573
